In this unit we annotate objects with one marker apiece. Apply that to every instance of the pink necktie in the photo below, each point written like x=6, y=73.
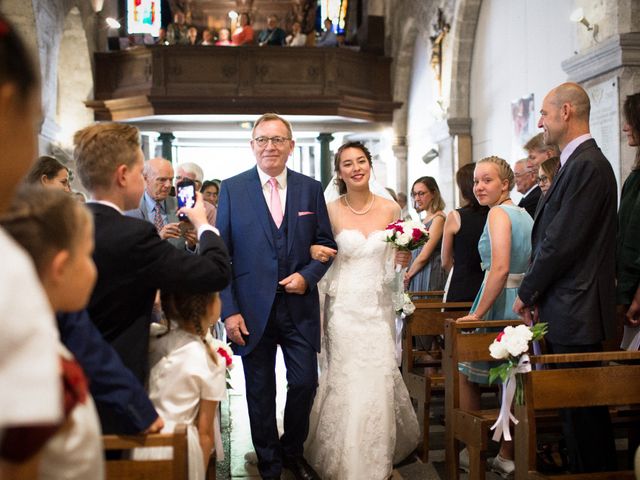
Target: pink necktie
x=274, y=203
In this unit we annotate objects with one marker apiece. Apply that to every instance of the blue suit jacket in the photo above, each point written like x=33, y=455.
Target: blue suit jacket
x=244, y=224
x=113, y=387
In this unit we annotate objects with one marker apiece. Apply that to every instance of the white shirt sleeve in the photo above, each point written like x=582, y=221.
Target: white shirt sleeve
x=30, y=379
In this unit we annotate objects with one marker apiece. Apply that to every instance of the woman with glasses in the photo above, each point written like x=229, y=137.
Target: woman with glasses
x=628, y=246
x=546, y=172
x=425, y=272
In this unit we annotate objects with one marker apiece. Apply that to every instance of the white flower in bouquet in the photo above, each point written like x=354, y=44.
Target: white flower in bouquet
x=403, y=239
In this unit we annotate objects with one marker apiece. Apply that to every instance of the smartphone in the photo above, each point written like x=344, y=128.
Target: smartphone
x=186, y=193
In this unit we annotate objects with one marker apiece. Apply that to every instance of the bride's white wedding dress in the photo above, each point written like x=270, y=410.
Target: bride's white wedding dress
x=362, y=421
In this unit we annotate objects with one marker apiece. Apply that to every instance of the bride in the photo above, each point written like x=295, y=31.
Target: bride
x=362, y=421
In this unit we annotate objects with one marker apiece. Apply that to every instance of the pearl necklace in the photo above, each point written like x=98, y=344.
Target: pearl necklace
x=361, y=212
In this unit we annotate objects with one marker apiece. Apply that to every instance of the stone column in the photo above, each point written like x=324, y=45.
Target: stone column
x=325, y=158
x=166, y=138
x=401, y=151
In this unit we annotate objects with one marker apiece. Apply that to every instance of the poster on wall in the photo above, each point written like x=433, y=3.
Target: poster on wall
x=143, y=16
x=604, y=121
x=523, y=119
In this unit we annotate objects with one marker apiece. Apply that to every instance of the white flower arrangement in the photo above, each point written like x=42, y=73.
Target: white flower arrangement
x=512, y=345
x=403, y=304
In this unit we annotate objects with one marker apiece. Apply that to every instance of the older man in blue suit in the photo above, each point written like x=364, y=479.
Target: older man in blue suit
x=269, y=217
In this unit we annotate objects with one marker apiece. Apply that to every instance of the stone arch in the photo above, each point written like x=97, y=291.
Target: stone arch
x=463, y=31
x=403, y=63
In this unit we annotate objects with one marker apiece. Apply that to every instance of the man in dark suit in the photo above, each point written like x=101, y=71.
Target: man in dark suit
x=269, y=217
x=527, y=185
x=132, y=261
x=571, y=279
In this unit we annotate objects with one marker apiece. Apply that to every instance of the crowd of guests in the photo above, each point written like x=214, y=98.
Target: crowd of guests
x=180, y=33
x=81, y=287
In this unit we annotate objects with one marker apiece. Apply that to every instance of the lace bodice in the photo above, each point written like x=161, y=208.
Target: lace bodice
x=364, y=265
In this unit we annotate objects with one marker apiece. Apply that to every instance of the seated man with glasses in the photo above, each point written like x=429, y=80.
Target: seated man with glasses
x=526, y=184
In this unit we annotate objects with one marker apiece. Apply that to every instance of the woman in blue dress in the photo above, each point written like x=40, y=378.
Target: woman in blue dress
x=505, y=248
x=425, y=272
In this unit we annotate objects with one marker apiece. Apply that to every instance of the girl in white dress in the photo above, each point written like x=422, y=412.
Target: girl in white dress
x=57, y=233
x=187, y=378
x=362, y=421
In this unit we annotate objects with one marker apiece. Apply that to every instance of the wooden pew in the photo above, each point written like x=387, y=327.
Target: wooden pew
x=468, y=427
x=176, y=468
x=422, y=377
x=604, y=383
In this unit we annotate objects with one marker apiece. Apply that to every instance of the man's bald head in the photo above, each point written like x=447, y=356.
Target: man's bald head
x=575, y=95
x=158, y=177
x=564, y=114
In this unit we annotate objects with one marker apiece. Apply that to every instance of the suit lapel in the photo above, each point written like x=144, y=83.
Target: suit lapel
x=256, y=197
x=561, y=172
x=292, y=207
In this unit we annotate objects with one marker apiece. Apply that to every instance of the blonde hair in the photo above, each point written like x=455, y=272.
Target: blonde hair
x=505, y=172
x=101, y=148
x=45, y=221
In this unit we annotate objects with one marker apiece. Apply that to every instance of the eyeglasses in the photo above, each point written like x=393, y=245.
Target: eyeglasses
x=543, y=179
x=418, y=194
x=526, y=172
x=276, y=141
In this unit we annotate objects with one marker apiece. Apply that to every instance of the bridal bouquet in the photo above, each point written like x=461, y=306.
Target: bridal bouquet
x=224, y=350
x=512, y=345
x=406, y=235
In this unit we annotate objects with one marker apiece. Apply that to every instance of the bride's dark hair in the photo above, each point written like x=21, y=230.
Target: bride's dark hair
x=342, y=187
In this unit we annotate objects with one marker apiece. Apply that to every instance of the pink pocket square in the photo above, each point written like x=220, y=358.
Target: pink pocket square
x=302, y=214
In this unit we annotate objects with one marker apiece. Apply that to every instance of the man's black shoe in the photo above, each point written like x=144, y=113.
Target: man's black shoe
x=300, y=468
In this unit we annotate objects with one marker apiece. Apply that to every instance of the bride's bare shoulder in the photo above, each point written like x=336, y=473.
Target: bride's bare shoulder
x=388, y=205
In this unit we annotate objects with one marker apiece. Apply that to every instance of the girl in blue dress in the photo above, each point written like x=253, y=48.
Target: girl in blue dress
x=505, y=249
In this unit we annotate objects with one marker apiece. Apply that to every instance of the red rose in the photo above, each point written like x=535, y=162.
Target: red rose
x=228, y=360
x=416, y=235
x=499, y=337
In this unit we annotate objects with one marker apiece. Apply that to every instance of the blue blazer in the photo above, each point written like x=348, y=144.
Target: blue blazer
x=244, y=224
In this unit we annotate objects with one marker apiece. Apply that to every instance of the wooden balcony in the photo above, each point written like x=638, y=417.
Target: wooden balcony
x=161, y=80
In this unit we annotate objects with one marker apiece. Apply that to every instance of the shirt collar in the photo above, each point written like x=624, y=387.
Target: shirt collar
x=107, y=203
x=571, y=147
x=281, y=178
x=529, y=191
x=151, y=203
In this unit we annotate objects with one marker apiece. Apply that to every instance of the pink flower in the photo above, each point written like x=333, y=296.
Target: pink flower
x=499, y=337
x=417, y=235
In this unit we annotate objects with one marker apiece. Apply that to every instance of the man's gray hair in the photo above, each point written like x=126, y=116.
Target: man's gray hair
x=193, y=169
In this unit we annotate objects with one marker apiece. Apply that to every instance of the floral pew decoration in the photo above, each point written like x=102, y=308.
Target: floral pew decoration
x=512, y=345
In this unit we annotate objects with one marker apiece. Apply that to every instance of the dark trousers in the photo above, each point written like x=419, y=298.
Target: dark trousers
x=260, y=380
x=587, y=431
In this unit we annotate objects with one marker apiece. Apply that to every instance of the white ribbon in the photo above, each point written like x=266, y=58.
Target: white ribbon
x=398, y=302
x=501, y=426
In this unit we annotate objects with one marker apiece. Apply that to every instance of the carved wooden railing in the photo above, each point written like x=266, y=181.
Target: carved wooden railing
x=225, y=80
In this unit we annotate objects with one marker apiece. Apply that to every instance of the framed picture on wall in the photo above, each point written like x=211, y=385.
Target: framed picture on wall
x=523, y=120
